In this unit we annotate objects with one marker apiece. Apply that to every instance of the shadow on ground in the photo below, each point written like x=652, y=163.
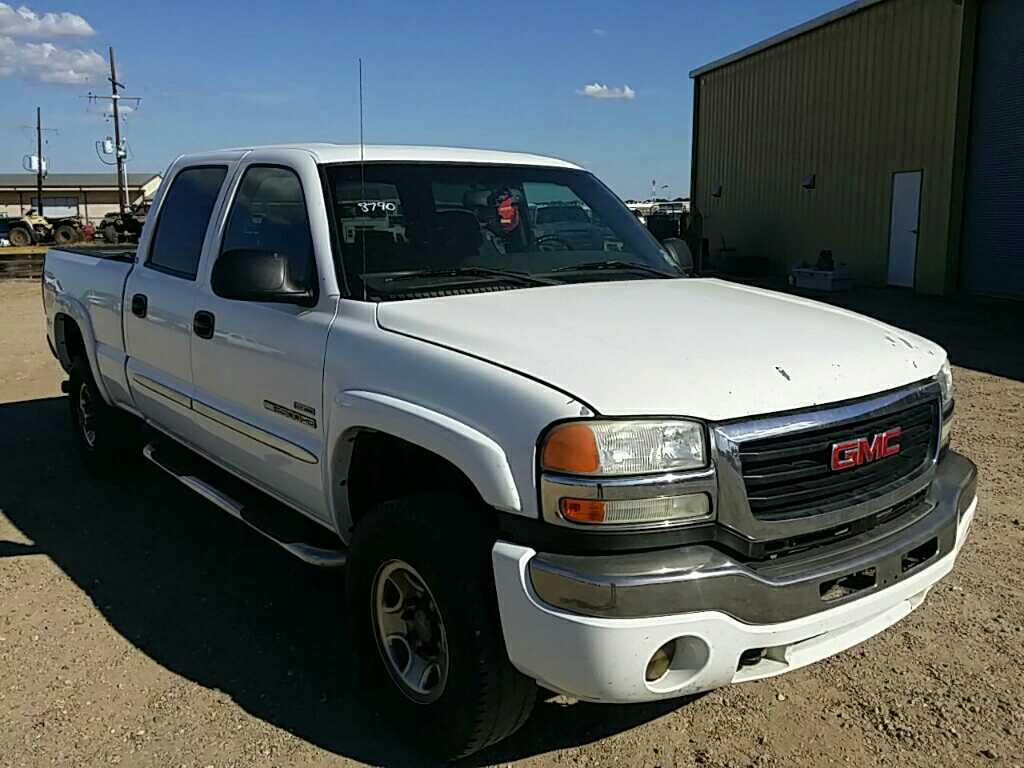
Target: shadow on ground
x=205, y=597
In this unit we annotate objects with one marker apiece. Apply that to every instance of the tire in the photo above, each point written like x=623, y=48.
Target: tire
x=105, y=436
x=65, y=234
x=476, y=697
x=110, y=234
x=20, y=237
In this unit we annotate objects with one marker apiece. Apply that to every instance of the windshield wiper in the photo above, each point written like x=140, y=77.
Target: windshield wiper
x=467, y=271
x=615, y=264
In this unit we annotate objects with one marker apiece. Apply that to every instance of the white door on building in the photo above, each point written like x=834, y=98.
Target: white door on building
x=903, y=227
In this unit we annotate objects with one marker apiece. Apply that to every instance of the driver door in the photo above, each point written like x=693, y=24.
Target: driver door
x=258, y=366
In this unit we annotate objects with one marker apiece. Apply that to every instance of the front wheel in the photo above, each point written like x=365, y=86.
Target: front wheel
x=20, y=237
x=426, y=625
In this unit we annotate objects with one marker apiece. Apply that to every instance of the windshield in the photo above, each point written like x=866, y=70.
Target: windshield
x=407, y=227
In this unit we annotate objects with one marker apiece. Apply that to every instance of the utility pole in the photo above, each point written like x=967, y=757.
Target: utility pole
x=120, y=152
x=39, y=162
x=122, y=182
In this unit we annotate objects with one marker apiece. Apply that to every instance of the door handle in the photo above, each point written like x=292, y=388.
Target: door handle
x=139, y=304
x=202, y=324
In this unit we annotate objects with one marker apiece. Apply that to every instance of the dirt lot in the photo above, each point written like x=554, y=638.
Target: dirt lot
x=140, y=626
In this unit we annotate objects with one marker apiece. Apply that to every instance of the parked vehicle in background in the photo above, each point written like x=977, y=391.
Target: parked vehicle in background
x=117, y=227
x=544, y=458
x=33, y=229
x=570, y=226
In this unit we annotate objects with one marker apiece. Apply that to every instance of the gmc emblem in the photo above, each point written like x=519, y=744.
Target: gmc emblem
x=853, y=453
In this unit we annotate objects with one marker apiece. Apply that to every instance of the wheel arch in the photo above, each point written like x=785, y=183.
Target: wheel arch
x=73, y=335
x=384, y=447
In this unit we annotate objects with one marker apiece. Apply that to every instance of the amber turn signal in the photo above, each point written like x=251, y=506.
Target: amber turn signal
x=570, y=448
x=582, y=510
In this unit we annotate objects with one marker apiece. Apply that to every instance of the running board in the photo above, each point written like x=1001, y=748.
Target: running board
x=288, y=529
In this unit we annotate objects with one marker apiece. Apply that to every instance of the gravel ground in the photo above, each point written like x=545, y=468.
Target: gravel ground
x=140, y=626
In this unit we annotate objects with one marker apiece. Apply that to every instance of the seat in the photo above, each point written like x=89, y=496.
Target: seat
x=458, y=239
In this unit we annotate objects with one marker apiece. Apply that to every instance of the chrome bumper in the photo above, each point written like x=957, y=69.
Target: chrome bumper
x=703, y=578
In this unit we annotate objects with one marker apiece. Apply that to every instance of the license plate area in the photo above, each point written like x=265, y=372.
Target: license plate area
x=848, y=585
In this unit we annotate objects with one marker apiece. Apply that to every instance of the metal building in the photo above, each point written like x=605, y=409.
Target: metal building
x=89, y=195
x=890, y=132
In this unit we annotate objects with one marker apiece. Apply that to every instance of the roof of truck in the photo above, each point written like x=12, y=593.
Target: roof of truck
x=350, y=153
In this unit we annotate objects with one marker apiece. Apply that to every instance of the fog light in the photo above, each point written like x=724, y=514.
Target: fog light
x=660, y=662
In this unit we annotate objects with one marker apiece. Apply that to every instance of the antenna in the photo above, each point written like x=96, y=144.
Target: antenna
x=362, y=170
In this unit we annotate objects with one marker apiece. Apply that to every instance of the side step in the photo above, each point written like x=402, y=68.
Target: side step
x=310, y=542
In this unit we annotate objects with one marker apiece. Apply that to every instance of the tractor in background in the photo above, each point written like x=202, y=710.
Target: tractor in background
x=33, y=229
x=123, y=227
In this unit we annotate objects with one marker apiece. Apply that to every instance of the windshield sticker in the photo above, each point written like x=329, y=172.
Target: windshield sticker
x=375, y=206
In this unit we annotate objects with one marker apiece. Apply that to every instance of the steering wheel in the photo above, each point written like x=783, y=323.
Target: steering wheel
x=544, y=243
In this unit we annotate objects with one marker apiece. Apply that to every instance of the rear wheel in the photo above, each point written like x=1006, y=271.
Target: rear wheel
x=105, y=435
x=20, y=237
x=110, y=233
x=421, y=596
x=65, y=234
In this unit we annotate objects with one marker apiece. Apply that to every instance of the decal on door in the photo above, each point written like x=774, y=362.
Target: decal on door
x=307, y=409
x=288, y=413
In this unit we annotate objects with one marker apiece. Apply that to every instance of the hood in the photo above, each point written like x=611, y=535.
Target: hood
x=704, y=348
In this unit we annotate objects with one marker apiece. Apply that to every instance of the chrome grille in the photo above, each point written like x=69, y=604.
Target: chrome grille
x=789, y=476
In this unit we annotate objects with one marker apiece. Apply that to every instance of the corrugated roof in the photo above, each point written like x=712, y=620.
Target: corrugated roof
x=74, y=179
x=800, y=29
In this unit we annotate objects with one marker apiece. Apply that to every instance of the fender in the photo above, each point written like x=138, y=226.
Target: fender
x=73, y=308
x=477, y=455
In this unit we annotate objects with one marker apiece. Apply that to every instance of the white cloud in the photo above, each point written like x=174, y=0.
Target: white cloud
x=599, y=91
x=600, y=32
x=47, y=63
x=106, y=111
x=44, y=62
x=24, y=22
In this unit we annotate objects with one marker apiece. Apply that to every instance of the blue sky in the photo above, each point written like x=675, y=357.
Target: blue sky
x=482, y=74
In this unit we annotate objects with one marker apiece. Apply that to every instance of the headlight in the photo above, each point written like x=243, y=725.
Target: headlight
x=624, y=447
x=945, y=379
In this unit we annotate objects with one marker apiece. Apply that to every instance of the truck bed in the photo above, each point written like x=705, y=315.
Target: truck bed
x=113, y=252
x=86, y=284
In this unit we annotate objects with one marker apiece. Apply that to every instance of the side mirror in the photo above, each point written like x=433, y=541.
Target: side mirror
x=252, y=275
x=680, y=253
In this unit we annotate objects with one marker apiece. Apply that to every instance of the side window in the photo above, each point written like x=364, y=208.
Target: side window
x=269, y=214
x=183, y=219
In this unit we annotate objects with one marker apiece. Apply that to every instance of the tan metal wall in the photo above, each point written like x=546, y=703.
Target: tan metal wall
x=853, y=102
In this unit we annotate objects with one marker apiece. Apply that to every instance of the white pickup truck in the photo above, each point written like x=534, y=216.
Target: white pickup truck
x=546, y=457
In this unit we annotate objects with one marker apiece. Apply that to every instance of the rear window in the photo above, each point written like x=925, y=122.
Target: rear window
x=183, y=219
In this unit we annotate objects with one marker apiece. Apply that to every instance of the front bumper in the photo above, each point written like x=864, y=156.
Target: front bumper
x=601, y=619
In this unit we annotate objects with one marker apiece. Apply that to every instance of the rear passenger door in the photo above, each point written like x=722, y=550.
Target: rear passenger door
x=160, y=294
x=258, y=366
